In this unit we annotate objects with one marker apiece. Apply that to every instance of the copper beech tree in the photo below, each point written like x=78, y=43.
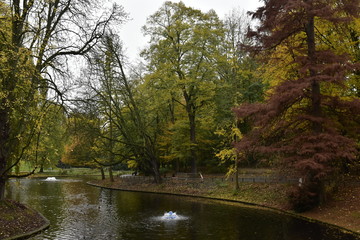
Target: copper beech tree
x=309, y=126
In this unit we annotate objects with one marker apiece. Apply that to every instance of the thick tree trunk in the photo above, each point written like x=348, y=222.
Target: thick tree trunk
x=8, y=85
x=2, y=187
x=316, y=110
x=156, y=172
x=4, y=151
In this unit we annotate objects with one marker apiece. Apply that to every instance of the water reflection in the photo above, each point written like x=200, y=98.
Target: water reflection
x=79, y=211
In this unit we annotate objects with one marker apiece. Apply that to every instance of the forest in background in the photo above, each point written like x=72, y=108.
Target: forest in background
x=277, y=88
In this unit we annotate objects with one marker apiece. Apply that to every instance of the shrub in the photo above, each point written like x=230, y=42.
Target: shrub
x=302, y=199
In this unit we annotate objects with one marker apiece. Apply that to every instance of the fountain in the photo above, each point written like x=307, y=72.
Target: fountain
x=170, y=215
x=51, y=179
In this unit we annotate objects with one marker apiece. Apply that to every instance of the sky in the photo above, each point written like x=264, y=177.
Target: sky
x=132, y=36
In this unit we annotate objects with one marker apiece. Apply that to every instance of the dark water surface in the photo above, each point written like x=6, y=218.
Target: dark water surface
x=79, y=211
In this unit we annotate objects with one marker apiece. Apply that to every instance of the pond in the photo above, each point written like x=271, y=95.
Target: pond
x=79, y=211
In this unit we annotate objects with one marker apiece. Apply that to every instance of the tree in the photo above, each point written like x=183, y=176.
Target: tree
x=48, y=147
x=182, y=58
x=301, y=121
x=241, y=82
x=129, y=131
x=83, y=128
x=39, y=36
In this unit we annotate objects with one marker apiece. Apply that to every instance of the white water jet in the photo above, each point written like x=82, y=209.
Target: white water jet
x=171, y=216
x=51, y=179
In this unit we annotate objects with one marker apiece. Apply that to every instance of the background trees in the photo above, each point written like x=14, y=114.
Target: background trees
x=301, y=120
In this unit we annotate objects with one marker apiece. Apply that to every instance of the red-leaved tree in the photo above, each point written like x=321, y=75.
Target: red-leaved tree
x=312, y=130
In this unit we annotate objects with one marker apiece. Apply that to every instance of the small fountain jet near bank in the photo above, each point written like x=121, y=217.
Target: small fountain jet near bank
x=170, y=215
x=51, y=179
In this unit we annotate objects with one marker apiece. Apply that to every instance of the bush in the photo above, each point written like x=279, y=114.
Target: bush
x=302, y=199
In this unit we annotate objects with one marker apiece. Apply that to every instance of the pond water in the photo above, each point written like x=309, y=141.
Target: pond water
x=79, y=211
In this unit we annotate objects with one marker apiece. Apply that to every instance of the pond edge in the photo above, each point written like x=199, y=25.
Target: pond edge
x=248, y=204
x=33, y=232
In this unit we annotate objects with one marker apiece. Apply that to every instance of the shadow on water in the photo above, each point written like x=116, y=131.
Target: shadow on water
x=79, y=211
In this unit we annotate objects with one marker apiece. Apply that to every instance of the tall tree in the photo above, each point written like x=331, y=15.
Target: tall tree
x=129, y=129
x=41, y=35
x=181, y=57
x=302, y=121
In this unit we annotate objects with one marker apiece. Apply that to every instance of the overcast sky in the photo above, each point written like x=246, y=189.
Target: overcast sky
x=139, y=10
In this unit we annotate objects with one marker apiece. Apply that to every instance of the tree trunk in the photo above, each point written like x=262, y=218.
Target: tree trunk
x=2, y=187
x=111, y=174
x=8, y=85
x=192, y=142
x=315, y=86
x=4, y=151
x=237, y=187
x=4, y=136
x=177, y=165
x=17, y=169
x=102, y=173
x=156, y=172
x=191, y=111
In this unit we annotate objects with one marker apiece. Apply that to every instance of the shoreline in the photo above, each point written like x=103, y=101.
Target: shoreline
x=316, y=215
x=342, y=212
x=25, y=222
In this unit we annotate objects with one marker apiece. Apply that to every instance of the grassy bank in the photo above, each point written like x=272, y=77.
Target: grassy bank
x=72, y=172
x=342, y=210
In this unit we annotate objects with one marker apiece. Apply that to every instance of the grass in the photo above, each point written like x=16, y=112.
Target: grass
x=76, y=172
